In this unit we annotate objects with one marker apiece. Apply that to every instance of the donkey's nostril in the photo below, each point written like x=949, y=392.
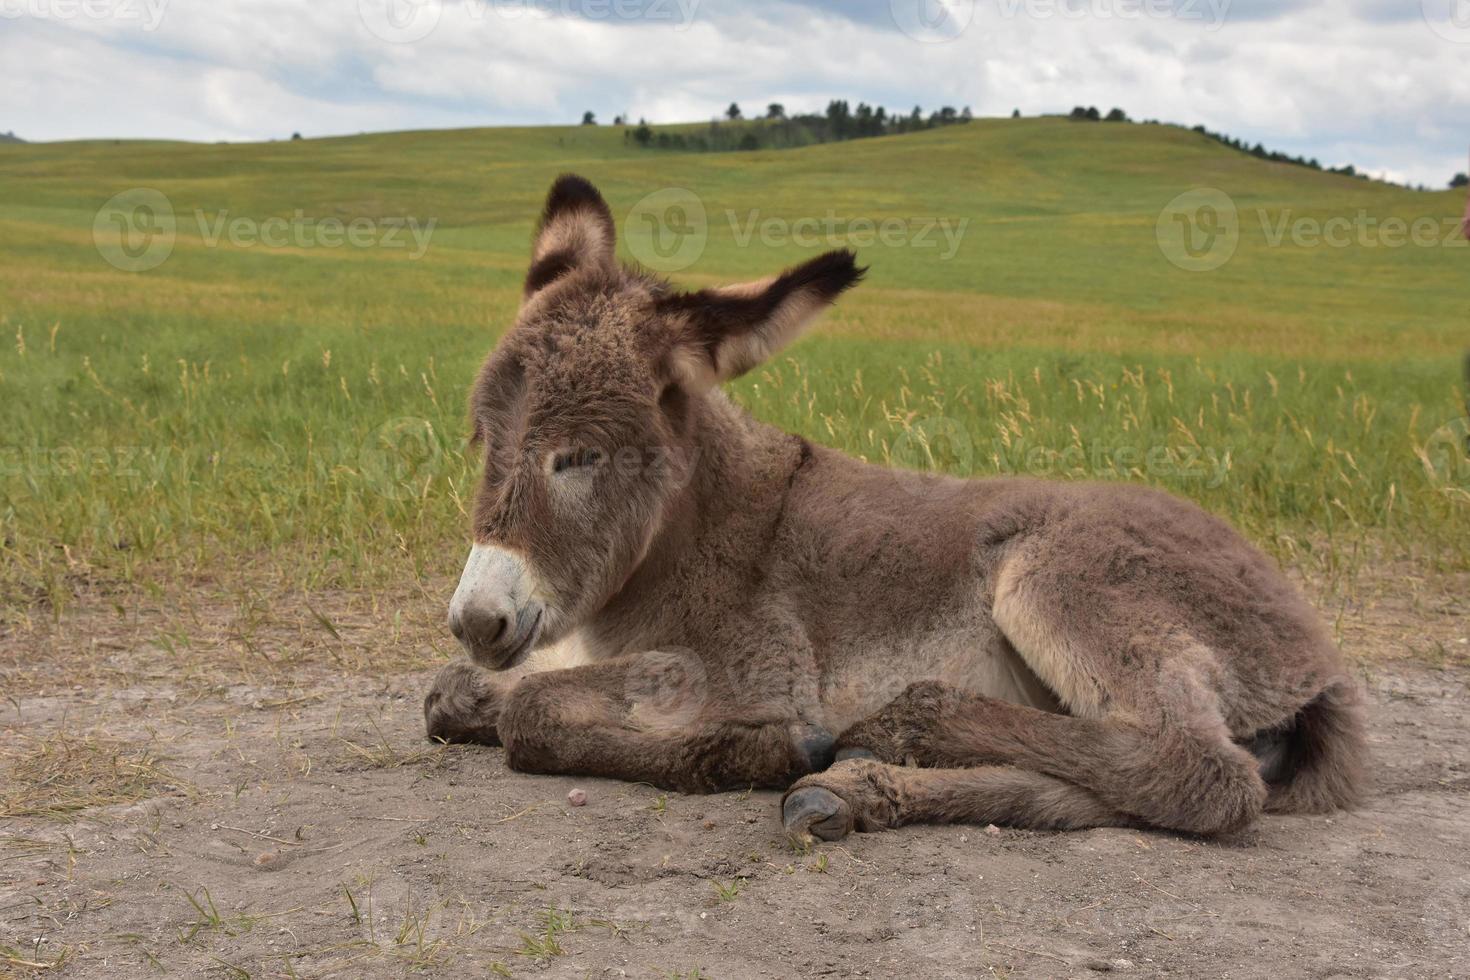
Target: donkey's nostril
x=481, y=628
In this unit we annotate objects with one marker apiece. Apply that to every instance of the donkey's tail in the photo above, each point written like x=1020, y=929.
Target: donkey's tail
x=1318, y=763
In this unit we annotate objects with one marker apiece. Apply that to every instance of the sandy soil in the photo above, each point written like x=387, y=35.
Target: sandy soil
x=240, y=788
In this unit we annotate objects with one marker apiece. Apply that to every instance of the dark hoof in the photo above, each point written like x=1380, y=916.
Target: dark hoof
x=814, y=744
x=815, y=812
x=854, y=752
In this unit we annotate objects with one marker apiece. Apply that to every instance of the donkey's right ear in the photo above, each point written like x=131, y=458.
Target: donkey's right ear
x=575, y=232
x=724, y=332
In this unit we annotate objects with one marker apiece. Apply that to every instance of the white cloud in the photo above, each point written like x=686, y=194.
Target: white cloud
x=1321, y=78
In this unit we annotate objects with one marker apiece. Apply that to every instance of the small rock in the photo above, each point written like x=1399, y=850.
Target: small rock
x=1108, y=966
x=577, y=797
x=993, y=830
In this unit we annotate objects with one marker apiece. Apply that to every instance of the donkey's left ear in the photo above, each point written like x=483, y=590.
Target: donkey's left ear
x=727, y=331
x=575, y=232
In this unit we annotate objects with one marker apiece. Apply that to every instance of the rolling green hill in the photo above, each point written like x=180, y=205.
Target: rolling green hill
x=296, y=403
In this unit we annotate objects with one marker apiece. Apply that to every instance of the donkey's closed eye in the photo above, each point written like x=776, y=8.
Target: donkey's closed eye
x=576, y=459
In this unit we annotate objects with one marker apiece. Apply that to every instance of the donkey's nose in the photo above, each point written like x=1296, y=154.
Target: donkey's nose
x=492, y=613
x=478, y=628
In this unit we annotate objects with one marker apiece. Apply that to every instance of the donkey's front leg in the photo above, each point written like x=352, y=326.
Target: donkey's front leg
x=627, y=719
x=465, y=701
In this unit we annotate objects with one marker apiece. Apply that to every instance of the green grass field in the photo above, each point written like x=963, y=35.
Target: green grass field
x=295, y=411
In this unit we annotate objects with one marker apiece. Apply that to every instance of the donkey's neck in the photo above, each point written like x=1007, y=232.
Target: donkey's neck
x=713, y=545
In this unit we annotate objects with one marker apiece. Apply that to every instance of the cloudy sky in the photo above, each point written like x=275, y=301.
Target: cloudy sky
x=1383, y=84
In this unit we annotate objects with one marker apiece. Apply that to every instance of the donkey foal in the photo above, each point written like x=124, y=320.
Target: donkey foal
x=1048, y=655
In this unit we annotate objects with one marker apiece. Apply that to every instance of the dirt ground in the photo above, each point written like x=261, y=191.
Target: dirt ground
x=235, y=786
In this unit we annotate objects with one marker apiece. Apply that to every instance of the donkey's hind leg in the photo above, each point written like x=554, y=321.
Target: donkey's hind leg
x=865, y=795
x=1178, y=770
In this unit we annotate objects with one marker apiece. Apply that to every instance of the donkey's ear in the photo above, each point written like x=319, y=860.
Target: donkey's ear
x=727, y=331
x=575, y=232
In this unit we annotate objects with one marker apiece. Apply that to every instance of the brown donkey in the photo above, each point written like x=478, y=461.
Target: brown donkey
x=1048, y=655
